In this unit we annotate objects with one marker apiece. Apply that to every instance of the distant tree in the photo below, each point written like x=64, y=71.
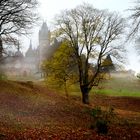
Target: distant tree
x=61, y=68
x=138, y=75
x=91, y=32
x=16, y=18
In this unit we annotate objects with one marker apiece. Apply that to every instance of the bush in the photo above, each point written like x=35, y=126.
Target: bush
x=102, y=119
x=102, y=126
x=3, y=76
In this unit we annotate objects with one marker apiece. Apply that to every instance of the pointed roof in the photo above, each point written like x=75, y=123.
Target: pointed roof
x=44, y=28
x=18, y=53
x=109, y=58
x=30, y=51
x=44, y=31
x=107, y=64
x=30, y=47
x=107, y=61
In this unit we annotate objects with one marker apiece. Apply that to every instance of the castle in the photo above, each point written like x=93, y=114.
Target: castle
x=30, y=63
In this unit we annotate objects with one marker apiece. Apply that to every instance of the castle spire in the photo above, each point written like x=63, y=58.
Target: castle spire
x=44, y=33
x=30, y=44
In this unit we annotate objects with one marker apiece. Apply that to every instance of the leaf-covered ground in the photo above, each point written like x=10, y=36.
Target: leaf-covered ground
x=32, y=112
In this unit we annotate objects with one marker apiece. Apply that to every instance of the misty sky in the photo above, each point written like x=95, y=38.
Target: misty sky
x=49, y=8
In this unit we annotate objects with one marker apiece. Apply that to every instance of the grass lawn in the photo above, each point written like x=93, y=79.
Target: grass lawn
x=113, y=87
x=120, y=92
x=116, y=86
x=119, y=87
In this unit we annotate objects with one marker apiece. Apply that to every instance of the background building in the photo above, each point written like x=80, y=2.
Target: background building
x=30, y=63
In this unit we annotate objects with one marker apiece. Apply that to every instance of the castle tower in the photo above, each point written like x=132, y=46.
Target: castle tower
x=44, y=42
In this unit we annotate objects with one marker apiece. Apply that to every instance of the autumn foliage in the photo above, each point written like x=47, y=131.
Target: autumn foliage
x=31, y=111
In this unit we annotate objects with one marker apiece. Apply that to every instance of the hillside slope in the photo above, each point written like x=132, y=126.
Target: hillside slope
x=31, y=111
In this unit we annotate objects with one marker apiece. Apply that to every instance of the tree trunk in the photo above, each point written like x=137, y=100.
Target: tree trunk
x=85, y=98
x=66, y=91
x=1, y=49
x=85, y=94
x=1, y=57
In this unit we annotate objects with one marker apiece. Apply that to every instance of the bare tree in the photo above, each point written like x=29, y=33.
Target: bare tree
x=16, y=18
x=134, y=19
x=91, y=32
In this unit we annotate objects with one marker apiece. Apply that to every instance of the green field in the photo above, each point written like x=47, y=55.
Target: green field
x=119, y=87
x=116, y=86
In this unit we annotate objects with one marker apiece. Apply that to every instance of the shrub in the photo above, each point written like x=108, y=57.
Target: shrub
x=102, y=126
x=102, y=119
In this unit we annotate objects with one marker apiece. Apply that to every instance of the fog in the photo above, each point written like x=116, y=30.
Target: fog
x=48, y=9
x=29, y=63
